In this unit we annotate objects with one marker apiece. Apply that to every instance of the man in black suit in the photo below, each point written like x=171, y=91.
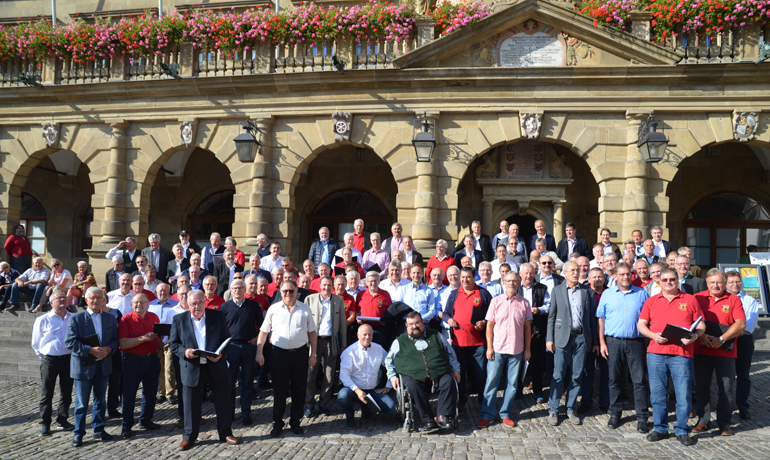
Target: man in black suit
x=662, y=247
x=157, y=256
x=536, y=294
x=482, y=243
x=688, y=283
x=113, y=274
x=224, y=272
x=410, y=253
x=197, y=371
x=571, y=243
x=176, y=266
x=550, y=241
x=469, y=243
x=323, y=250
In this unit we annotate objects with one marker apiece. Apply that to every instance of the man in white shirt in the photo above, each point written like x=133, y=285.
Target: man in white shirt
x=441, y=291
x=394, y=281
x=48, y=335
x=348, y=240
x=120, y=299
x=745, y=344
x=163, y=307
x=485, y=280
x=274, y=259
x=359, y=372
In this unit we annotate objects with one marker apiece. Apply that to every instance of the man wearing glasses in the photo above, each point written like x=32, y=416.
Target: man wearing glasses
x=668, y=359
x=291, y=328
x=688, y=283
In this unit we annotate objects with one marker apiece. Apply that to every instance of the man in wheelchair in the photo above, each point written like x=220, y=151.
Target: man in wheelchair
x=422, y=357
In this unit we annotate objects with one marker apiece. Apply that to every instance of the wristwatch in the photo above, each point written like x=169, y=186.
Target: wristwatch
x=721, y=340
x=313, y=356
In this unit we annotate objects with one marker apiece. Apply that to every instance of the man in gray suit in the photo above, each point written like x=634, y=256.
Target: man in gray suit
x=571, y=334
x=687, y=282
x=329, y=314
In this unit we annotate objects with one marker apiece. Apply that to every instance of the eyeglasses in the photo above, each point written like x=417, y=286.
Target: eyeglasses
x=546, y=263
x=55, y=265
x=287, y=292
x=668, y=280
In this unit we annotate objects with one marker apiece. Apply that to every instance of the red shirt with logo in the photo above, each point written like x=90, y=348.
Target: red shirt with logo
x=444, y=264
x=682, y=311
x=133, y=325
x=467, y=335
x=350, y=304
x=723, y=310
x=373, y=305
x=215, y=302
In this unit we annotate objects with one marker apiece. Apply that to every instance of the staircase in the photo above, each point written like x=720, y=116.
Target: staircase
x=18, y=361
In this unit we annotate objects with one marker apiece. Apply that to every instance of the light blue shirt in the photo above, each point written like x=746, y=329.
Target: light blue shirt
x=325, y=253
x=549, y=283
x=442, y=295
x=495, y=289
x=97, y=319
x=751, y=309
x=165, y=312
x=420, y=298
x=620, y=311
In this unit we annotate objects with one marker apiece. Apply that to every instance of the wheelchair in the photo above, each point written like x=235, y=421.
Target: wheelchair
x=408, y=413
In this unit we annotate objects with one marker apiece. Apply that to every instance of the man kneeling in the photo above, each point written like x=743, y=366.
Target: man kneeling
x=359, y=372
x=422, y=357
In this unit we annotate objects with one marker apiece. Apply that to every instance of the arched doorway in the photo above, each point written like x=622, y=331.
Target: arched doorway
x=34, y=220
x=526, y=225
x=339, y=209
x=720, y=227
x=215, y=214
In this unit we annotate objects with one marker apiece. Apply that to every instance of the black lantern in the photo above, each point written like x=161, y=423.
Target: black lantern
x=246, y=145
x=651, y=144
x=424, y=140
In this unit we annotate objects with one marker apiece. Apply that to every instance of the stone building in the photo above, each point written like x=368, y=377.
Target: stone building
x=536, y=113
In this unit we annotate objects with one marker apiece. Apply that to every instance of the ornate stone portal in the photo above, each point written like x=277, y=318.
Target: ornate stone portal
x=525, y=175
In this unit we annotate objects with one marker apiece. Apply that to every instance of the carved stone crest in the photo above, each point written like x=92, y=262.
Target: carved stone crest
x=745, y=126
x=557, y=168
x=341, y=126
x=51, y=134
x=186, y=131
x=530, y=125
x=488, y=170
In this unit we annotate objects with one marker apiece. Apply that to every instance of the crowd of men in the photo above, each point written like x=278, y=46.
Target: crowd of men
x=193, y=324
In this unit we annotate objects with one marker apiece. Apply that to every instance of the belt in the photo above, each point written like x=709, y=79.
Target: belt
x=325, y=337
x=58, y=356
x=744, y=333
x=145, y=355
x=635, y=339
x=291, y=350
x=576, y=331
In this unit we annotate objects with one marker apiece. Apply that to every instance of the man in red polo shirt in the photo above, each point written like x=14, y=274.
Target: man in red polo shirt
x=360, y=238
x=372, y=303
x=441, y=260
x=141, y=363
x=667, y=359
x=466, y=309
x=213, y=301
x=277, y=273
x=714, y=353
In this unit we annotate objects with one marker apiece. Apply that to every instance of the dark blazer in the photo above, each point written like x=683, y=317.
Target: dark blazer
x=204, y=273
x=111, y=280
x=417, y=258
x=478, y=255
x=562, y=250
x=163, y=259
x=210, y=263
x=550, y=243
x=183, y=337
x=696, y=284
x=260, y=273
x=666, y=247
x=222, y=274
x=171, y=266
x=317, y=250
x=192, y=246
x=486, y=299
x=80, y=327
x=560, y=317
x=539, y=321
x=485, y=243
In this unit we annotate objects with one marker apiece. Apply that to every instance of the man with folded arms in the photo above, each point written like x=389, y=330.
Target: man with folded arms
x=372, y=303
x=623, y=346
x=667, y=360
x=140, y=364
x=360, y=364
x=48, y=336
x=202, y=328
x=725, y=309
x=163, y=307
x=508, y=332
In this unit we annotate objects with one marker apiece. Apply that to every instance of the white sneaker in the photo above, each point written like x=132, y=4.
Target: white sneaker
x=573, y=418
x=553, y=419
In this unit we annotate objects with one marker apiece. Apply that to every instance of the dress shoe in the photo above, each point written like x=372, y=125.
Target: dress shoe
x=232, y=440
x=745, y=414
x=77, y=441
x=641, y=426
x=483, y=423
x=657, y=436
x=202, y=422
x=298, y=430
x=700, y=428
x=65, y=425
x=180, y=423
x=603, y=409
x=583, y=408
x=324, y=410
x=185, y=444
x=16, y=308
x=686, y=440
x=428, y=427
x=445, y=422
x=553, y=419
x=573, y=418
x=104, y=436
x=150, y=425
x=45, y=430
x=173, y=399
x=509, y=422
x=350, y=424
x=115, y=414
x=246, y=420
x=125, y=434
x=275, y=432
x=308, y=412
x=725, y=430
x=160, y=399
x=614, y=422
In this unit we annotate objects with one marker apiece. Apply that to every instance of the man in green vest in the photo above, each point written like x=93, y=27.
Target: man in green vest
x=422, y=357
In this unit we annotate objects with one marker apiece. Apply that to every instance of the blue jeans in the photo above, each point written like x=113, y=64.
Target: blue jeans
x=36, y=291
x=681, y=371
x=511, y=365
x=144, y=370
x=82, y=394
x=347, y=400
x=573, y=355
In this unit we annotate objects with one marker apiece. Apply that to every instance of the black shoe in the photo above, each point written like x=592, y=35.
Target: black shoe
x=428, y=427
x=745, y=414
x=45, y=430
x=173, y=400
x=104, y=436
x=65, y=425
x=77, y=441
x=160, y=399
x=325, y=410
x=350, y=424
x=308, y=412
x=150, y=425
x=16, y=308
x=115, y=414
x=614, y=422
x=3, y=305
x=686, y=440
x=641, y=426
x=656, y=436
x=603, y=409
x=275, y=432
x=444, y=421
x=246, y=420
x=583, y=408
x=298, y=430
x=125, y=434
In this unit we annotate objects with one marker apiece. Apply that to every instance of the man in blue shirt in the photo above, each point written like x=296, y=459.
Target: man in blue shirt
x=485, y=274
x=623, y=346
x=745, y=343
x=418, y=296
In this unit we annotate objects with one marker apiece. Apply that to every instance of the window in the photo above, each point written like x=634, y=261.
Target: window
x=338, y=211
x=33, y=218
x=215, y=214
x=722, y=226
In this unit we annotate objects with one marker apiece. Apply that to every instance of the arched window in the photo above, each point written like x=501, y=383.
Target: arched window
x=33, y=218
x=721, y=226
x=215, y=214
x=338, y=211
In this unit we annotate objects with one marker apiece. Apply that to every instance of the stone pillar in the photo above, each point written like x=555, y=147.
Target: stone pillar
x=425, y=228
x=113, y=227
x=635, y=200
x=260, y=209
x=641, y=24
x=426, y=27
x=558, y=219
x=487, y=223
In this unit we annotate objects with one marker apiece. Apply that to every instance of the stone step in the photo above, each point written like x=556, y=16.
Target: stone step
x=9, y=365
x=17, y=332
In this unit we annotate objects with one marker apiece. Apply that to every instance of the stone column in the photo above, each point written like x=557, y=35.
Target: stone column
x=425, y=228
x=260, y=209
x=635, y=200
x=487, y=223
x=113, y=227
x=558, y=219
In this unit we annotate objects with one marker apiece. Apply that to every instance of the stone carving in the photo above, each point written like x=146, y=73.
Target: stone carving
x=485, y=53
x=341, y=126
x=489, y=169
x=556, y=167
x=524, y=160
x=186, y=131
x=523, y=206
x=576, y=50
x=51, y=134
x=530, y=125
x=745, y=126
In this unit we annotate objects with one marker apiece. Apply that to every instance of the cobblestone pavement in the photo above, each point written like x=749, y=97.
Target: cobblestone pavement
x=326, y=437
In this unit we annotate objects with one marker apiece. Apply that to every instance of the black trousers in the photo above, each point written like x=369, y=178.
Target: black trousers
x=115, y=389
x=193, y=400
x=289, y=370
x=628, y=354
x=179, y=386
x=52, y=367
x=419, y=392
x=537, y=363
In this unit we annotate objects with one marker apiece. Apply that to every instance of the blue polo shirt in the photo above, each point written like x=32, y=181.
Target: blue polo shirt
x=620, y=311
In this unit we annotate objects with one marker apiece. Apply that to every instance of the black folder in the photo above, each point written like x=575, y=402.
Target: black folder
x=162, y=329
x=717, y=330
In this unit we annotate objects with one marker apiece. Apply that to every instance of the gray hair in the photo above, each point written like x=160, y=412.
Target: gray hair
x=177, y=245
x=153, y=237
x=485, y=264
x=441, y=242
x=683, y=250
x=372, y=274
x=94, y=291
x=347, y=235
x=117, y=258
